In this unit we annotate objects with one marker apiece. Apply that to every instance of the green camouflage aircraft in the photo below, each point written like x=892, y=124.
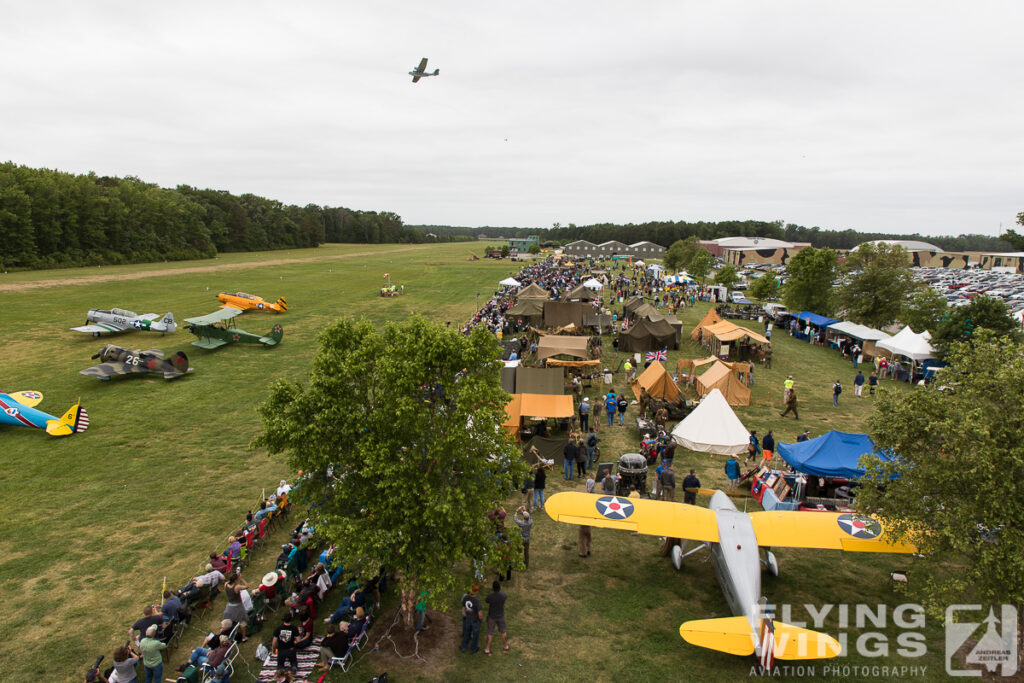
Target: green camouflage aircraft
x=218, y=328
x=115, y=360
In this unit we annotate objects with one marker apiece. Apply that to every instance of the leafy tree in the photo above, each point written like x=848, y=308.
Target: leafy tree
x=925, y=310
x=534, y=248
x=879, y=284
x=505, y=250
x=398, y=433
x=963, y=322
x=678, y=256
x=1014, y=238
x=727, y=276
x=764, y=288
x=701, y=263
x=960, y=461
x=809, y=287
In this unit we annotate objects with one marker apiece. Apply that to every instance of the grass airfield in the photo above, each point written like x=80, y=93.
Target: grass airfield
x=94, y=522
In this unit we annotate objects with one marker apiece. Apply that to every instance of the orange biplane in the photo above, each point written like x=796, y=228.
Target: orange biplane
x=245, y=302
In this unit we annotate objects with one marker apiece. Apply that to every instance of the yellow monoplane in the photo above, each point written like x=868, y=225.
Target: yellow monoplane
x=735, y=539
x=245, y=302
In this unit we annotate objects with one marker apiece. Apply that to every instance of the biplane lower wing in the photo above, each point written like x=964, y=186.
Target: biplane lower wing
x=209, y=343
x=649, y=517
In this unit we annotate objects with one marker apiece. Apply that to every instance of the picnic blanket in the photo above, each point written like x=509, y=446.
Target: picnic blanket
x=307, y=657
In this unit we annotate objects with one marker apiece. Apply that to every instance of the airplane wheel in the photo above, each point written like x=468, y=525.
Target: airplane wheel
x=677, y=557
x=773, y=564
x=95, y=334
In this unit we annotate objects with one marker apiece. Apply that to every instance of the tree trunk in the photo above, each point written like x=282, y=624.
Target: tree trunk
x=408, y=606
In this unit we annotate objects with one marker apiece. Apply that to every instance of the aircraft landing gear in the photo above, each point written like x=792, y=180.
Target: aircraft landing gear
x=680, y=553
x=770, y=563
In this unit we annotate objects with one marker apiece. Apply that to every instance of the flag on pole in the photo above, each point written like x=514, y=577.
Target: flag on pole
x=652, y=356
x=387, y=275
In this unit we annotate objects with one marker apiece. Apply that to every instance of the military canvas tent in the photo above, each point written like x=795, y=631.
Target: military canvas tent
x=710, y=318
x=631, y=304
x=535, y=405
x=554, y=345
x=532, y=291
x=723, y=378
x=658, y=383
x=648, y=335
x=833, y=454
x=688, y=366
x=712, y=427
x=644, y=310
x=531, y=310
x=558, y=313
x=508, y=379
x=582, y=293
x=908, y=343
x=540, y=381
x=601, y=320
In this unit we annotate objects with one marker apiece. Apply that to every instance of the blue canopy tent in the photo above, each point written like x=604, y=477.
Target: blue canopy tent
x=833, y=454
x=813, y=319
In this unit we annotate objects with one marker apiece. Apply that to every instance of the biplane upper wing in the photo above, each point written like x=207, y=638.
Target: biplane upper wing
x=824, y=530
x=650, y=517
x=218, y=316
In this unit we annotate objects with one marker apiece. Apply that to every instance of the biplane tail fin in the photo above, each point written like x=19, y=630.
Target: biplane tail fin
x=282, y=303
x=274, y=337
x=72, y=422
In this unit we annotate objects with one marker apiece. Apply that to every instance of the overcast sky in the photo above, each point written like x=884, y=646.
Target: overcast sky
x=877, y=116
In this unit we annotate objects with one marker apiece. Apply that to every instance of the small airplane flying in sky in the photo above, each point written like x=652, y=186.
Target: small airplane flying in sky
x=218, y=328
x=734, y=538
x=421, y=71
x=18, y=409
x=245, y=302
x=115, y=360
x=119, y=320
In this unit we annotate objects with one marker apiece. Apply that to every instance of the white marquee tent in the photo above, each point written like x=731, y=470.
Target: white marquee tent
x=712, y=428
x=908, y=343
x=509, y=282
x=593, y=284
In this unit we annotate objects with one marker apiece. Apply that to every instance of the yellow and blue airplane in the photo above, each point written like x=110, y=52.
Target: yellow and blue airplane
x=18, y=409
x=735, y=540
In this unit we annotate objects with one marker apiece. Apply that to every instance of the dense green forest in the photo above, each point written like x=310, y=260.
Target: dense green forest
x=51, y=219
x=667, y=232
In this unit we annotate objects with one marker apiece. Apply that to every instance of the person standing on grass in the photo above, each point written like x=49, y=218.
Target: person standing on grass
x=569, y=457
x=872, y=383
x=668, y=483
x=791, y=405
x=591, y=445
x=472, y=616
x=581, y=459
x=622, y=405
x=768, y=446
x=690, y=485
x=283, y=641
x=584, y=411
x=837, y=389
x=858, y=384
x=732, y=472
x=496, y=617
x=539, y=482
x=152, y=655
x=611, y=402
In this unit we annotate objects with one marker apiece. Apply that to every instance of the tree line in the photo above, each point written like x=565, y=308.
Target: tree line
x=51, y=219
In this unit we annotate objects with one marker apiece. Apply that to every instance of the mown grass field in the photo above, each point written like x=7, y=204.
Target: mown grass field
x=93, y=523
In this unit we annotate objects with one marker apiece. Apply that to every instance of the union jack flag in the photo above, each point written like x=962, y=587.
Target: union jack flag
x=652, y=356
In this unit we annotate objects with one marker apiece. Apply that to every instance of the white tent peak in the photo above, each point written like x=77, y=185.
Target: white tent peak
x=594, y=284
x=510, y=282
x=908, y=343
x=712, y=428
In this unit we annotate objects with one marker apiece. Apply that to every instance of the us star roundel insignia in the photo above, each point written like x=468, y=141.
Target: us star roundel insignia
x=31, y=394
x=614, y=507
x=860, y=526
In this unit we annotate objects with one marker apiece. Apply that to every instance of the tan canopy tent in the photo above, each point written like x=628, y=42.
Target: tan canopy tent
x=558, y=313
x=724, y=378
x=658, y=383
x=688, y=366
x=553, y=345
x=648, y=335
x=532, y=291
x=709, y=319
x=552, y=362
x=540, y=381
x=726, y=331
x=535, y=405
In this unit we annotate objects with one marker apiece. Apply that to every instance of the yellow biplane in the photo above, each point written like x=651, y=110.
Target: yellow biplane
x=735, y=540
x=245, y=302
